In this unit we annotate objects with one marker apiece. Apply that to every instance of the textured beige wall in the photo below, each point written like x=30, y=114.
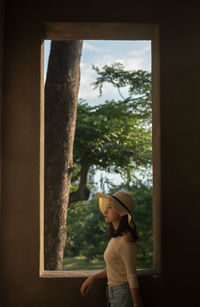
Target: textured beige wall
x=180, y=151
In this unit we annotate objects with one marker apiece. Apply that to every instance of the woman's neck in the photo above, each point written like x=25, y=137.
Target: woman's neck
x=116, y=224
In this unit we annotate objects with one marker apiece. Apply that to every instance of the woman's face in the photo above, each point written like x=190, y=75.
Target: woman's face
x=111, y=216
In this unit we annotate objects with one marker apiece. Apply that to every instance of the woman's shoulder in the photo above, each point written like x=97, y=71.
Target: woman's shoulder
x=127, y=237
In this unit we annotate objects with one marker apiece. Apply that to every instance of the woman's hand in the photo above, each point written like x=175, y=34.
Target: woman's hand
x=87, y=285
x=136, y=297
x=89, y=281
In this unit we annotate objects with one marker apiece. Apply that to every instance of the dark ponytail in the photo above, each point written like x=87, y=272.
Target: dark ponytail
x=122, y=229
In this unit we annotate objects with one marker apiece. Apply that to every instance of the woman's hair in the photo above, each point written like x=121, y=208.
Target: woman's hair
x=122, y=229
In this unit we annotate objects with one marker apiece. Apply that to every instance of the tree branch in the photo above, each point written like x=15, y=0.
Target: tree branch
x=120, y=93
x=83, y=192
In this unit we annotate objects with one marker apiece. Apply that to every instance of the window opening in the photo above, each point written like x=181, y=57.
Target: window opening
x=114, y=114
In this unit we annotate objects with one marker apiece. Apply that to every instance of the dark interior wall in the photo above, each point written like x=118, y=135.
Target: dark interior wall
x=180, y=149
x=1, y=75
x=180, y=64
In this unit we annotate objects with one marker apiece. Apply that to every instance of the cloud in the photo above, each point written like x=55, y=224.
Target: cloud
x=139, y=59
x=89, y=47
x=132, y=61
x=87, y=77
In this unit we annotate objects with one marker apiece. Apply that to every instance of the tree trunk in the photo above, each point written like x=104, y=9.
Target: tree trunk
x=61, y=93
x=83, y=192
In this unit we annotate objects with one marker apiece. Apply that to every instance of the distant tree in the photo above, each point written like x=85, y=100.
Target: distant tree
x=114, y=136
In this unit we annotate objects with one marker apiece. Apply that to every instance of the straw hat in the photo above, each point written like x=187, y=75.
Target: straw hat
x=122, y=201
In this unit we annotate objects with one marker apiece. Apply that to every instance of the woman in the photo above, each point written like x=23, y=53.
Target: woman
x=120, y=254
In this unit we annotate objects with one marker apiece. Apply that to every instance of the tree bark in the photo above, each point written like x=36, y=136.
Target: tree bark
x=61, y=93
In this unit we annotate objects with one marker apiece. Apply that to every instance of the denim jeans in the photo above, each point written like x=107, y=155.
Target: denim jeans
x=119, y=296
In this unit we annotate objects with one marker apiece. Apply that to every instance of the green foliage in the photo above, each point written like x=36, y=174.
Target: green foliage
x=139, y=81
x=111, y=136
x=138, y=84
x=86, y=230
x=116, y=137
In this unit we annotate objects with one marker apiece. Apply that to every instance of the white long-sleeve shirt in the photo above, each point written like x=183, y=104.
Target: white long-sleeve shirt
x=120, y=258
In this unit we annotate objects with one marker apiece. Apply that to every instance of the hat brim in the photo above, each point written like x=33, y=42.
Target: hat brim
x=103, y=200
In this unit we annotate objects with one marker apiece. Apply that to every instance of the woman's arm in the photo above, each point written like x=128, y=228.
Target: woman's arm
x=128, y=253
x=89, y=281
x=136, y=297
x=102, y=274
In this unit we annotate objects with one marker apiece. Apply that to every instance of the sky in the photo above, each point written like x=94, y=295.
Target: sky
x=133, y=55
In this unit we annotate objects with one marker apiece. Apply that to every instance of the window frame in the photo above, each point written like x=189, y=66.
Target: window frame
x=109, y=31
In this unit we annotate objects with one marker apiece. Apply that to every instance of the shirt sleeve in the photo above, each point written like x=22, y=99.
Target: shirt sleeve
x=128, y=254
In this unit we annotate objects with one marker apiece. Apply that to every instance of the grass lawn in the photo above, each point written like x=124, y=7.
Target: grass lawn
x=81, y=263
